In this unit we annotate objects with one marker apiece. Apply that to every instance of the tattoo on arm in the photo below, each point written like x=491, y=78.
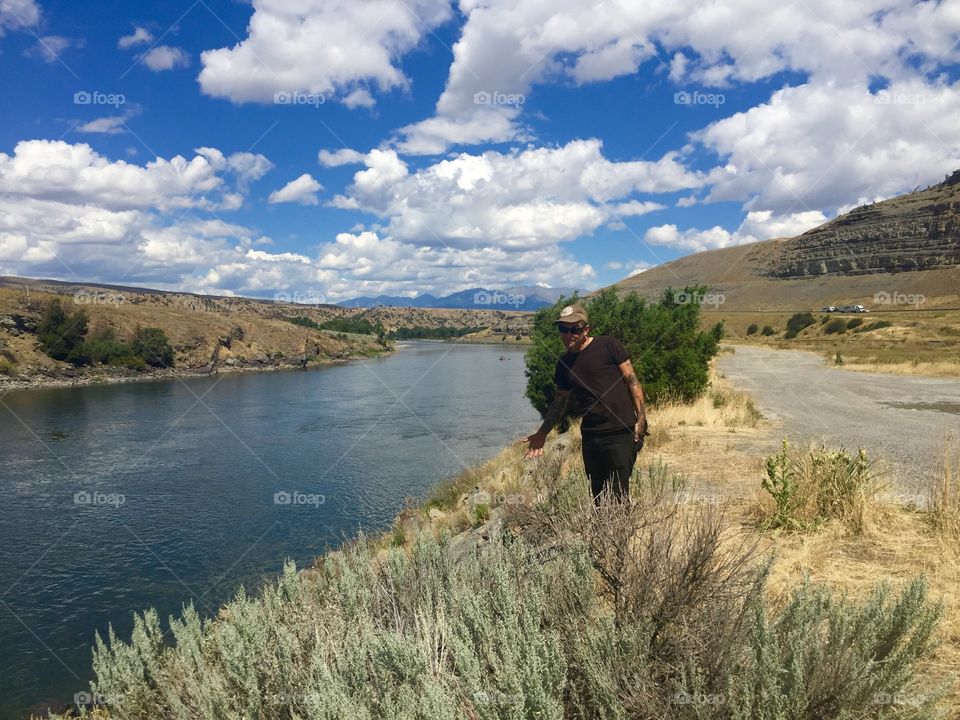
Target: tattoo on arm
x=555, y=411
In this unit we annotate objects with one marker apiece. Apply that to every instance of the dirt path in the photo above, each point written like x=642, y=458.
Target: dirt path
x=906, y=421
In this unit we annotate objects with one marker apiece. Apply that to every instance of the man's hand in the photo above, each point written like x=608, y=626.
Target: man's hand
x=535, y=444
x=639, y=430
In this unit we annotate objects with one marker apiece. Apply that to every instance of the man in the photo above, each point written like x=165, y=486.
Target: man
x=599, y=374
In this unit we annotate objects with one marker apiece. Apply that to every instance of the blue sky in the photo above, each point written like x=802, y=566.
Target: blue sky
x=328, y=149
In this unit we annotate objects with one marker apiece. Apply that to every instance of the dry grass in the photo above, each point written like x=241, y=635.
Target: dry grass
x=714, y=444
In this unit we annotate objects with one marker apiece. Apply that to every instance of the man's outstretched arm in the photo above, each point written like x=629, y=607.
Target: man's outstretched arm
x=636, y=391
x=550, y=419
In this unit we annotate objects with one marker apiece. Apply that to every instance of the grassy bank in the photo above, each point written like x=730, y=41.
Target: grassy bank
x=507, y=595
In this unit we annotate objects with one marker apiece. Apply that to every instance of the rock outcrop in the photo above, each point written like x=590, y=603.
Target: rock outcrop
x=918, y=231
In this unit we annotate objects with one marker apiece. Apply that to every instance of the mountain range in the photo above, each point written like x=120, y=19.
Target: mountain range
x=521, y=297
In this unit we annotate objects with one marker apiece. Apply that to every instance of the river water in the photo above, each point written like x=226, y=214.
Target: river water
x=117, y=498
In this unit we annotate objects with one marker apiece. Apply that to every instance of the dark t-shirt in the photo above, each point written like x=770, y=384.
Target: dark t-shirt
x=598, y=385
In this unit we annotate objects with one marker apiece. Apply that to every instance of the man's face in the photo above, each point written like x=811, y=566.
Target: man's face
x=572, y=334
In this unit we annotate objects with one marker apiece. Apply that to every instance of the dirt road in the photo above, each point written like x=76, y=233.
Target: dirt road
x=906, y=421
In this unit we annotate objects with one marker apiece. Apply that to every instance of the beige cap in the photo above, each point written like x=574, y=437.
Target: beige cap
x=572, y=314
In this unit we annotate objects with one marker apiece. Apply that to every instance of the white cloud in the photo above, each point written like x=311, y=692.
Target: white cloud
x=820, y=146
x=18, y=14
x=517, y=200
x=758, y=225
x=512, y=47
x=57, y=170
x=164, y=57
x=50, y=47
x=330, y=47
x=140, y=36
x=303, y=190
x=335, y=158
x=106, y=125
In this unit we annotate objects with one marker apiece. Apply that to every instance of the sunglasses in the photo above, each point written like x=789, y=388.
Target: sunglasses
x=567, y=329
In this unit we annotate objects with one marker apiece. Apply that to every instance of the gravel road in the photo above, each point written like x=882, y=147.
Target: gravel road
x=907, y=421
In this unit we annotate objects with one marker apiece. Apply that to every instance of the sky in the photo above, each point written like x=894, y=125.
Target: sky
x=318, y=150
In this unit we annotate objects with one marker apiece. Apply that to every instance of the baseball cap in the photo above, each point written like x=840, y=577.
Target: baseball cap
x=572, y=314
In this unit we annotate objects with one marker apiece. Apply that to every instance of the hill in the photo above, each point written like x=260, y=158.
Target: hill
x=212, y=333
x=905, y=246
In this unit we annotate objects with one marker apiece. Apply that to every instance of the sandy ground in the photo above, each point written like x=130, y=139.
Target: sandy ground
x=905, y=421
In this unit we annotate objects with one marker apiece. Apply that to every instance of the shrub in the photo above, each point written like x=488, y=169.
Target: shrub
x=768, y=331
x=61, y=334
x=630, y=610
x=796, y=323
x=818, y=485
x=854, y=322
x=837, y=325
x=7, y=367
x=874, y=326
x=152, y=346
x=669, y=351
x=752, y=329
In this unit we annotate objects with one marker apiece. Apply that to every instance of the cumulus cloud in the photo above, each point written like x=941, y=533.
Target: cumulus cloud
x=337, y=48
x=511, y=47
x=335, y=158
x=303, y=190
x=520, y=199
x=57, y=170
x=18, y=14
x=139, y=36
x=819, y=146
x=165, y=57
x=758, y=225
x=50, y=47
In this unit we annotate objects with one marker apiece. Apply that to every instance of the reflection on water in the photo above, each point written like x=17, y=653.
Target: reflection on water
x=122, y=497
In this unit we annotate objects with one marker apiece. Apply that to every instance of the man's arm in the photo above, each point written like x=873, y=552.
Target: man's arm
x=636, y=391
x=550, y=419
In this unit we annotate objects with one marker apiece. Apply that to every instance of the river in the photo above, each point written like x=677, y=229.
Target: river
x=121, y=497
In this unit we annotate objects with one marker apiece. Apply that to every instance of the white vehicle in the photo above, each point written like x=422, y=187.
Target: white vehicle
x=852, y=309
x=828, y=308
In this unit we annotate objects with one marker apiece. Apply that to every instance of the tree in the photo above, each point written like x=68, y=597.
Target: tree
x=670, y=353
x=151, y=344
x=61, y=334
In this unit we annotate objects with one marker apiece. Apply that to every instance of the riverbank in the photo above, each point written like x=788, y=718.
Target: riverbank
x=67, y=377
x=371, y=592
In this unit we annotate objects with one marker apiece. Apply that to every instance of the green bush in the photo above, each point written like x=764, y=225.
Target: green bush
x=854, y=322
x=768, y=331
x=796, y=323
x=629, y=610
x=752, y=329
x=669, y=351
x=152, y=346
x=813, y=487
x=838, y=325
x=874, y=326
x=61, y=334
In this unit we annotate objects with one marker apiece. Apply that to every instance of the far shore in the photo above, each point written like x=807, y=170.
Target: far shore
x=61, y=378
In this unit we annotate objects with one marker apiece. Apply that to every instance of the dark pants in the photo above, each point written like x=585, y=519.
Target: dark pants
x=608, y=459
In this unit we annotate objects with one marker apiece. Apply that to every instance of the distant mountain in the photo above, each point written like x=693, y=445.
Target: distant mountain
x=521, y=297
